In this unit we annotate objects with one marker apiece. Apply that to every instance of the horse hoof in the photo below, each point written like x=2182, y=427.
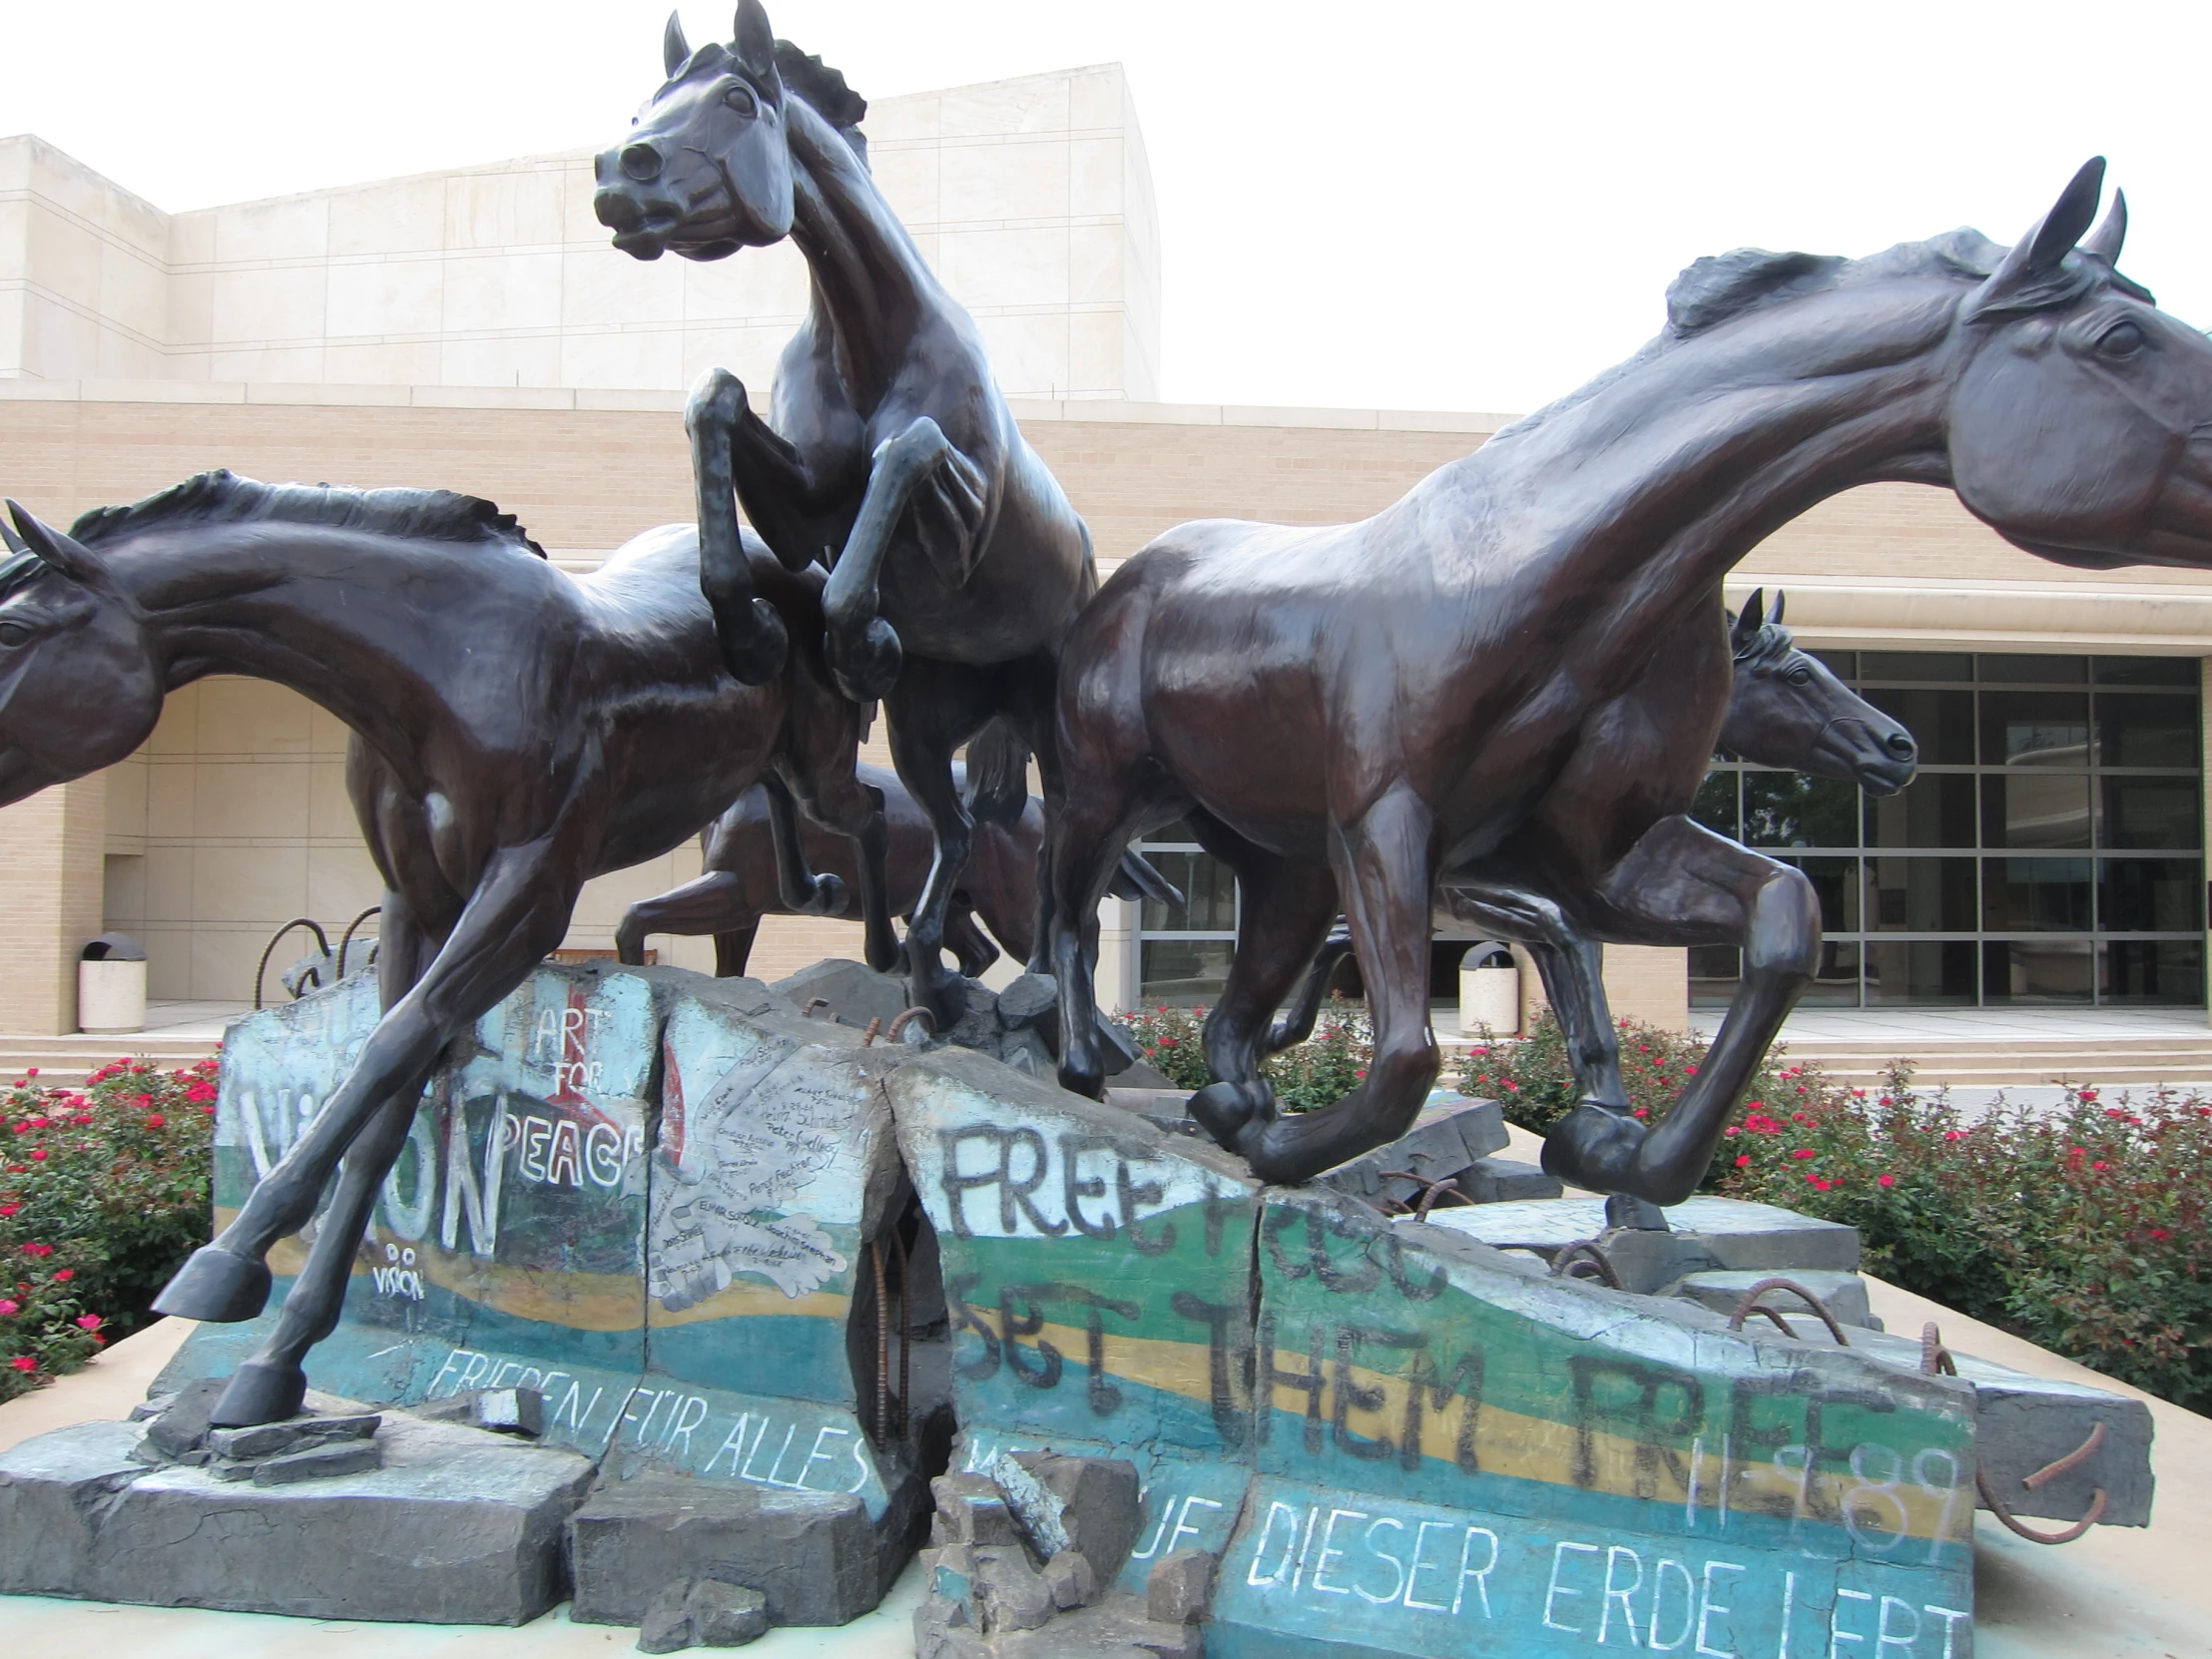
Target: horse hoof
x=260, y=1391
x=866, y=666
x=217, y=1288
x=830, y=897
x=1222, y=1110
x=753, y=651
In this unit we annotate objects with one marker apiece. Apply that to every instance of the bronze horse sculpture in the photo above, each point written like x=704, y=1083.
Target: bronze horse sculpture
x=517, y=731
x=1468, y=682
x=741, y=880
x=1785, y=709
x=957, y=564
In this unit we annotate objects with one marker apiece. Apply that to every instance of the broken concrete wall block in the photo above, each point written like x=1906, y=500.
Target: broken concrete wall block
x=851, y=993
x=456, y=1526
x=1098, y=1279
x=1459, y=1452
x=1842, y=1294
x=1449, y=1137
x=1735, y=1233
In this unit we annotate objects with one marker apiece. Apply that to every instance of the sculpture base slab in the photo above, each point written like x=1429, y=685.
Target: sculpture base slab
x=457, y=1527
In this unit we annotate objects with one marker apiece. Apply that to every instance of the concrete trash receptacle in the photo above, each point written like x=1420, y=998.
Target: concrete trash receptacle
x=1490, y=992
x=111, y=985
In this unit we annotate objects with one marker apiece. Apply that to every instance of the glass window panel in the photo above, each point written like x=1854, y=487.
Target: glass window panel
x=1941, y=722
x=1714, y=970
x=1715, y=805
x=1179, y=832
x=1914, y=665
x=1836, y=882
x=2148, y=731
x=1209, y=895
x=2148, y=671
x=1921, y=895
x=2039, y=668
x=2020, y=896
x=1183, y=972
x=2169, y=971
x=1842, y=664
x=2151, y=895
x=2034, y=729
x=1921, y=970
x=1935, y=809
x=2037, y=970
x=1835, y=981
x=2152, y=811
x=1788, y=808
x=2029, y=807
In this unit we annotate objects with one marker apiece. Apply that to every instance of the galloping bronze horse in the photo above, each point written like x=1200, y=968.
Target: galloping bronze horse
x=1469, y=682
x=957, y=565
x=1784, y=709
x=516, y=731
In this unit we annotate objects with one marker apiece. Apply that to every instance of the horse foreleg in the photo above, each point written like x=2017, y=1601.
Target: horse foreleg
x=1683, y=884
x=965, y=940
x=864, y=648
x=747, y=626
x=802, y=891
x=837, y=799
x=1284, y=911
x=1384, y=866
x=710, y=904
x=520, y=911
x=1573, y=972
x=938, y=707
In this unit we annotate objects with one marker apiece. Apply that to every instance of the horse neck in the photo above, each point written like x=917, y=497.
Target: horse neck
x=368, y=627
x=1679, y=464
x=870, y=281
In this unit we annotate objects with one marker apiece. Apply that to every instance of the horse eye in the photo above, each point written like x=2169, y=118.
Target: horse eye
x=2123, y=340
x=13, y=634
x=741, y=98
x=1801, y=675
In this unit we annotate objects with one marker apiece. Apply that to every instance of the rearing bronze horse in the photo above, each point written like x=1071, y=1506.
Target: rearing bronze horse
x=1455, y=684
x=957, y=565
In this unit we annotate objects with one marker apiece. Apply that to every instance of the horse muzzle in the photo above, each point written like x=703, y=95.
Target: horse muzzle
x=642, y=226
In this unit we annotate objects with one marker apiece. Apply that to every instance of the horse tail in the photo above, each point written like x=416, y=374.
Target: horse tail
x=998, y=775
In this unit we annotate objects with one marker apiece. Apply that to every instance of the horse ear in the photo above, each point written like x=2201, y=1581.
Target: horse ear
x=2036, y=257
x=752, y=44
x=1748, y=621
x=675, y=49
x=2104, y=241
x=16, y=544
x=1774, y=616
x=62, y=554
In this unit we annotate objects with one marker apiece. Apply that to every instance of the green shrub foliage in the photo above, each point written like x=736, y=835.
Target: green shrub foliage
x=103, y=1193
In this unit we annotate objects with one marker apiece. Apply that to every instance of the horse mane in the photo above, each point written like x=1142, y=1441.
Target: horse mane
x=821, y=86
x=1721, y=287
x=1772, y=643
x=223, y=498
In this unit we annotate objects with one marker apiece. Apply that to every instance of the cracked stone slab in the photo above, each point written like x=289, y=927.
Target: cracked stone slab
x=456, y=1527
x=1449, y=1137
x=1737, y=1235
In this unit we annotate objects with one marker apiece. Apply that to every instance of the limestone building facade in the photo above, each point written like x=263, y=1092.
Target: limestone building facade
x=472, y=330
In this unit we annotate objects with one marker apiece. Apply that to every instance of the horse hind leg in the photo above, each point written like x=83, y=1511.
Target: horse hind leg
x=1283, y=915
x=710, y=903
x=733, y=949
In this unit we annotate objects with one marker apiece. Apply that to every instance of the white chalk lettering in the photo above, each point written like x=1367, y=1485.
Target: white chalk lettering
x=603, y=1155
x=1621, y=1595
x=565, y=1166
x=1835, y=1631
x=1413, y=1572
x=1882, y=1636
x=1555, y=1589
x=1950, y=1617
x=1659, y=1603
x=1329, y=1549
x=1397, y=1565
x=1480, y=1574
x=1707, y=1607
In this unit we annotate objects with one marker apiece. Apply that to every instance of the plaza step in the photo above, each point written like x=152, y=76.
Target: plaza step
x=68, y=1059
x=2109, y=1061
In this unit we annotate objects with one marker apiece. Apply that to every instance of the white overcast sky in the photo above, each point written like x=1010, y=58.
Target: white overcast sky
x=1406, y=203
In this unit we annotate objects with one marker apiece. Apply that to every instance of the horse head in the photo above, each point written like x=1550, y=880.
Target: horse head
x=1787, y=709
x=706, y=169
x=2080, y=419
x=80, y=688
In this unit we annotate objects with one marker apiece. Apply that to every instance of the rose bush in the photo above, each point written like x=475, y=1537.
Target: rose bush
x=104, y=1190
x=1316, y=1073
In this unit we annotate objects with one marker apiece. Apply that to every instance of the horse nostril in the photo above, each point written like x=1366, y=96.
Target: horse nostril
x=1900, y=746
x=641, y=162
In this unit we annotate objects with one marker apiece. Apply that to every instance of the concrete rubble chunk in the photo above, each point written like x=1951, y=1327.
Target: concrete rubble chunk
x=1088, y=1504
x=498, y=1410
x=1843, y=1293
x=183, y=1424
x=1647, y=1261
x=52, y=1490
x=854, y=992
x=1029, y=1000
x=1179, y=1587
x=270, y=1438
x=1070, y=1577
x=320, y=1462
x=1011, y=1595
x=1447, y=1139
x=1736, y=1234
x=971, y=1511
x=702, y=1612
x=813, y=1556
x=1505, y=1179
